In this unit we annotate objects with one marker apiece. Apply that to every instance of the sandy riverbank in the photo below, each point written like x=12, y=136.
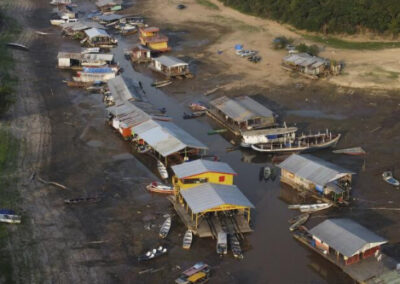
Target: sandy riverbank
x=363, y=69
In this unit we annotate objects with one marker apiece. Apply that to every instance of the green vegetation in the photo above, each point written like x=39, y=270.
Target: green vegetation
x=208, y=4
x=312, y=49
x=328, y=16
x=343, y=44
x=281, y=42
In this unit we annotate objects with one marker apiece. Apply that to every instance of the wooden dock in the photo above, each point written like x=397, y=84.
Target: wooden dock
x=207, y=228
x=220, y=121
x=368, y=271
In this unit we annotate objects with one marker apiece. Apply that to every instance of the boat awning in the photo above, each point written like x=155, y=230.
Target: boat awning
x=170, y=61
x=166, y=137
x=269, y=131
x=208, y=196
x=94, y=32
x=241, y=108
x=313, y=169
x=346, y=236
x=200, y=166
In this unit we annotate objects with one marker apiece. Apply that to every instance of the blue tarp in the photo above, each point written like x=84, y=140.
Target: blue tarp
x=238, y=46
x=272, y=136
x=97, y=70
x=7, y=211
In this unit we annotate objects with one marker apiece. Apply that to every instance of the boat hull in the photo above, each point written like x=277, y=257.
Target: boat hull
x=303, y=149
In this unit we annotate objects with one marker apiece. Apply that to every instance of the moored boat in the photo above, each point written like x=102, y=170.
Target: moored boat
x=270, y=135
x=159, y=188
x=159, y=84
x=162, y=170
x=192, y=273
x=166, y=226
x=302, y=143
x=10, y=218
x=198, y=107
x=187, y=239
x=82, y=199
x=212, y=132
x=154, y=253
x=298, y=221
x=222, y=244
x=193, y=115
x=235, y=247
x=388, y=177
x=355, y=151
x=142, y=149
x=267, y=172
x=310, y=207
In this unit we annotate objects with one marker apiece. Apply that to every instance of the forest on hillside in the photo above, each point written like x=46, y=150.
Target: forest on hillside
x=327, y=16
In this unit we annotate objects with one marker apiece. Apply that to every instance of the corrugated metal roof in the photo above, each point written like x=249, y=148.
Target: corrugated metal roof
x=201, y=166
x=208, y=196
x=313, y=169
x=97, y=56
x=165, y=137
x=305, y=60
x=110, y=17
x=94, y=32
x=82, y=25
x=70, y=55
x=241, y=108
x=346, y=236
x=170, y=61
x=119, y=90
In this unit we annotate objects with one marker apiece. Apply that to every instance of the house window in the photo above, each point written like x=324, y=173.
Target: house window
x=221, y=178
x=194, y=180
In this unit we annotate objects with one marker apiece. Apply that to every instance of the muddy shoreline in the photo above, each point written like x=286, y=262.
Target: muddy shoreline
x=66, y=140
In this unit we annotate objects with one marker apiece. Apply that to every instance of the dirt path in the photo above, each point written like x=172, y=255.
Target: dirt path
x=364, y=69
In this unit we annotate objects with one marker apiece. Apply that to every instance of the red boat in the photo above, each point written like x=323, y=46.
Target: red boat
x=158, y=187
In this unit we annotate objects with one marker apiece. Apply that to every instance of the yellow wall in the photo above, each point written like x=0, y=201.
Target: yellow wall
x=158, y=45
x=212, y=178
x=147, y=34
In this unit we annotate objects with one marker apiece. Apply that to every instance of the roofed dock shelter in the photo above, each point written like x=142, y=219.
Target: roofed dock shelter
x=170, y=66
x=241, y=113
x=198, y=207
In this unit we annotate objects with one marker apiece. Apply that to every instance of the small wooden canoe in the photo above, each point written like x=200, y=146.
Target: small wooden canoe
x=187, y=239
x=310, y=207
x=82, y=200
x=212, y=132
x=267, y=172
x=235, y=247
x=355, y=151
x=299, y=220
x=166, y=226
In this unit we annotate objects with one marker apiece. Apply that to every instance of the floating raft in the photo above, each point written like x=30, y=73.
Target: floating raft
x=216, y=131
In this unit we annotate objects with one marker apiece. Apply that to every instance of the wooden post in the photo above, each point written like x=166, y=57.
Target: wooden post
x=197, y=216
x=248, y=215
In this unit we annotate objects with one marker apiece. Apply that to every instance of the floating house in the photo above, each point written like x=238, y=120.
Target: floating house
x=109, y=5
x=77, y=30
x=168, y=140
x=99, y=38
x=306, y=172
x=241, y=113
x=77, y=60
x=170, y=66
x=140, y=54
x=91, y=75
x=151, y=37
x=130, y=113
x=107, y=19
x=346, y=240
x=206, y=201
x=313, y=66
x=197, y=172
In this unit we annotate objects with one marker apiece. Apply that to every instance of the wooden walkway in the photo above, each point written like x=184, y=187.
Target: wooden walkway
x=368, y=270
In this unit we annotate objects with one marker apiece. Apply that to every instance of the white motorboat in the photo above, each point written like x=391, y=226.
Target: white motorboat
x=166, y=226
